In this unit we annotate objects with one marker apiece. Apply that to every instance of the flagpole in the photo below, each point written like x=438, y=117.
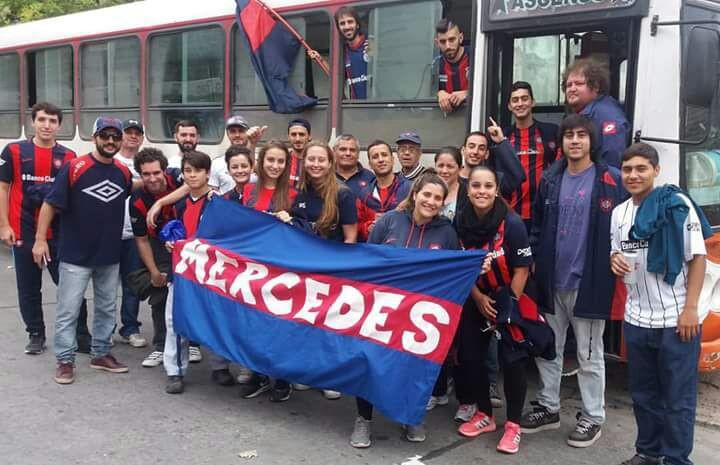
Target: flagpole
x=296, y=34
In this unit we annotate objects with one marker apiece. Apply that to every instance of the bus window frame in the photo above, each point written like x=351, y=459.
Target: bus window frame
x=67, y=111
x=149, y=107
x=79, y=90
x=18, y=110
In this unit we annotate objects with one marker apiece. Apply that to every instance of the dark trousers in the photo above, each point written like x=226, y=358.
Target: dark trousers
x=364, y=408
x=29, y=286
x=663, y=377
x=130, y=304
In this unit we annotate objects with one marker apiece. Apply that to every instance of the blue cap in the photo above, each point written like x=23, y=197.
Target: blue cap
x=105, y=122
x=409, y=136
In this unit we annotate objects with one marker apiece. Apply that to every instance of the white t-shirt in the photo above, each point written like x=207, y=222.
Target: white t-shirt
x=651, y=302
x=220, y=179
x=127, y=228
x=174, y=161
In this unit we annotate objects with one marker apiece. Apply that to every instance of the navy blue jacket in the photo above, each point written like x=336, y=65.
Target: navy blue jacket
x=612, y=125
x=397, y=228
x=598, y=283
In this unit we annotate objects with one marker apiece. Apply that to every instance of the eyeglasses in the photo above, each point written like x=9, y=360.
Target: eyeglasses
x=114, y=137
x=408, y=148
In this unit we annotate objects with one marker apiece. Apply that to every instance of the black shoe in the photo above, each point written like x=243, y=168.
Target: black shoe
x=585, y=433
x=280, y=392
x=539, y=419
x=256, y=386
x=175, y=385
x=222, y=377
x=36, y=345
x=639, y=459
x=83, y=344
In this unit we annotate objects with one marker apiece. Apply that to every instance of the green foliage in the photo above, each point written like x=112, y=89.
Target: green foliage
x=15, y=11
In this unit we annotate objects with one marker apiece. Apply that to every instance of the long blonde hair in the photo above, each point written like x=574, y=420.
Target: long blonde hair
x=327, y=187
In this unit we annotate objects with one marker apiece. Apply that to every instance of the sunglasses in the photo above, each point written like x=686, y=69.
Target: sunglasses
x=114, y=137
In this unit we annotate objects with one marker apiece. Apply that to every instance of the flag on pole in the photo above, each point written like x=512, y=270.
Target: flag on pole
x=273, y=50
x=366, y=320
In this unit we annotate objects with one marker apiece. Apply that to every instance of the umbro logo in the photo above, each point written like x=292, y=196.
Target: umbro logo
x=105, y=191
x=2, y=162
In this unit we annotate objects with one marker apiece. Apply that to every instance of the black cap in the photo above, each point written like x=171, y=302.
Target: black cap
x=133, y=123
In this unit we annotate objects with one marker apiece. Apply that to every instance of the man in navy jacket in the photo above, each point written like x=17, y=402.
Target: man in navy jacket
x=570, y=237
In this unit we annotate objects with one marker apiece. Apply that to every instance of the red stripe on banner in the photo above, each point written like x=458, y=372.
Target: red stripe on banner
x=412, y=323
x=257, y=24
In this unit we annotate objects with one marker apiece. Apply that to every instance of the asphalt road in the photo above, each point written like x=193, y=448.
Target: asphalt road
x=128, y=419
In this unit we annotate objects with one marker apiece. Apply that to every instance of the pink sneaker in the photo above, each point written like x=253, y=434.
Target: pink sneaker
x=478, y=424
x=510, y=441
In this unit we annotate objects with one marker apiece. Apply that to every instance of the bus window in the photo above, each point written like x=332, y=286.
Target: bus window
x=50, y=79
x=9, y=95
x=248, y=95
x=185, y=81
x=109, y=81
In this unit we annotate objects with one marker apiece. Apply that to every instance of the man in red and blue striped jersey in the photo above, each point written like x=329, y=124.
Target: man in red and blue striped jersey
x=453, y=80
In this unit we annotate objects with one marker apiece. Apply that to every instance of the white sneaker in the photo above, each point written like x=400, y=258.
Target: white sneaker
x=465, y=412
x=195, y=356
x=135, y=340
x=435, y=401
x=301, y=387
x=331, y=395
x=245, y=375
x=154, y=359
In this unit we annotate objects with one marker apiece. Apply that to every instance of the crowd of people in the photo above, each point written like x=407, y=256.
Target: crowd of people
x=565, y=213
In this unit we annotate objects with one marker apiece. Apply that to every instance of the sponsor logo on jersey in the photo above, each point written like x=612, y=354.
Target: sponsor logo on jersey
x=634, y=245
x=105, y=191
x=526, y=252
x=57, y=163
x=33, y=178
x=2, y=162
x=694, y=227
x=302, y=205
x=609, y=128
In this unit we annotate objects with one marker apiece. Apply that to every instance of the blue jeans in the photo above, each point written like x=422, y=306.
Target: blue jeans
x=663, y=377
x=130, y=304
x=74, y=280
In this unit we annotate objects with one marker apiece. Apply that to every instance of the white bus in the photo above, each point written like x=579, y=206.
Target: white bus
x=166, y=60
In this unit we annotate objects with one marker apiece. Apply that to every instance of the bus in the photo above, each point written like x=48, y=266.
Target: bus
x=166, y=60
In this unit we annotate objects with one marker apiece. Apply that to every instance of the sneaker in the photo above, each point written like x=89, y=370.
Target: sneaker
x=36, y=345
x=480, y=423
x=135, y=340
x=222, y=377
x=245, y=375
x=570, y=366
x=360, y=437
x=540, y=419
x=510, y=441
x=154, y=359
x=465, y=412
x=331, y=395
x=585, y=434
x=195, y=356
x=415, y=433
x=175, y=385
x=64, y=373
x=280, y=393
x=639, y=459
x=435, y=401
x=257, y=385
x=301, y=387
x=495, y=399
x=108, y=363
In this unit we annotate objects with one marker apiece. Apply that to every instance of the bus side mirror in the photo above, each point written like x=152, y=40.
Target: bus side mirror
x=700, y=71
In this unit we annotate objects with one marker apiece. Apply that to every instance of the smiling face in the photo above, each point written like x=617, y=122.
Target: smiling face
x=46, y=127
x=186, y=138
x=347, y=154
x=521, y=103
x=132, y=139
x=577, y=92
x=348, y=27
x=482, y=189
x=240, y=169
x=237, y=135
x=475, y=150
x=153, y=177
x=380, y=159
x=576, y=144
x=317, y=163
x=274, y=163
x=195, y=178
x=447, y=168
x=108, y=142
x=428, y=201
x=638, y=176
x=299, y=137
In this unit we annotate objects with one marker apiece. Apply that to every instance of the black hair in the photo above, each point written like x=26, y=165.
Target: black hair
x=347, y=11
x=444, y=25
x=149, y=155
x=574, y=121
x=518, y=85
x=186, y=123
x=235, y=150
x=48, y=108
x=452, y=151
x=641, y=149
x=476, y=133
x=377, y=142
x=196, y=159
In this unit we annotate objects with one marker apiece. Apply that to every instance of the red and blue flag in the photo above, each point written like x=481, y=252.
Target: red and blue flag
x=368, y=320
x=273, y=50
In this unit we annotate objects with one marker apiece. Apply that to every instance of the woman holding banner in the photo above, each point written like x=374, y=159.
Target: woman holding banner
x=487, y=222
x=416, y=223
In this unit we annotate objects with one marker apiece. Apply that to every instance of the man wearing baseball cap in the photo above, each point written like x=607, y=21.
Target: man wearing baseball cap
x=409, y=150
x=241, y=134
x=91, y=188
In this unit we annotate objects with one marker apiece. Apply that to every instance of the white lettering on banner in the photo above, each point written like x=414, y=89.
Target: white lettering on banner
x=275, y=305
x=353, y=299
x=313, y=289
x=194, y=253
x=432, y=335
x=252, y=272
x=377, y=317
x=217, y=269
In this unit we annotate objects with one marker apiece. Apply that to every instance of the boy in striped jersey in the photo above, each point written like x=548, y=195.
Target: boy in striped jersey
x=662, y=319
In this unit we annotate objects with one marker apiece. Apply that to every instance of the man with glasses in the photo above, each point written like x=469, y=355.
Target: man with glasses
x=586, y=84
x=94, y=187
x=409, y=150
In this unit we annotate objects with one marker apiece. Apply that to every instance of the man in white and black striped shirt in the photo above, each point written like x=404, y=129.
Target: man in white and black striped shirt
x=662, y=320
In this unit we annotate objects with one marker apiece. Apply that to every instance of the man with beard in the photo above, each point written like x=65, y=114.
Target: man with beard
x=454, y=66
x=27, y=170
x=187, y=136
x=299, y=131
x=240, y=134
x=93, y=186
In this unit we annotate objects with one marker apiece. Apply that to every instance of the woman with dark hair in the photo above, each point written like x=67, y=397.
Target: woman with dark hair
x=448, y=163
x=239, y=162
x=487, y=223
x=416, y=223
x=272, y=192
